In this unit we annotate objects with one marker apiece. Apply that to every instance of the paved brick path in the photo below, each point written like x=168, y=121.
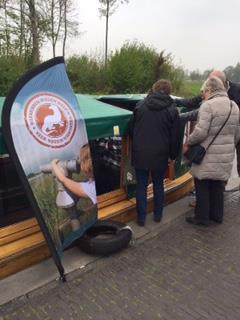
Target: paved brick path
x=184, y=272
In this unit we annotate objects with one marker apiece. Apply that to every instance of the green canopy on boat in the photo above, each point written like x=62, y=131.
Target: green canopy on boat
x=100, y=119
x=122, y=97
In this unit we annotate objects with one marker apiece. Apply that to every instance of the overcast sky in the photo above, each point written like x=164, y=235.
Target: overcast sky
x=200, y=34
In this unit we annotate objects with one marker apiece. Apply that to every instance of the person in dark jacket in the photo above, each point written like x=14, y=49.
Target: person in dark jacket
x=234, y=94
x=155, y=141
x=233, y=91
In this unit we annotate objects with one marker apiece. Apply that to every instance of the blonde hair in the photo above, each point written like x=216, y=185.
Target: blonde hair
x=86, y=161
x=212, y=84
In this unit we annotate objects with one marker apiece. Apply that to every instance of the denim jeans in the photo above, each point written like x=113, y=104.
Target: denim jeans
x=142, y=176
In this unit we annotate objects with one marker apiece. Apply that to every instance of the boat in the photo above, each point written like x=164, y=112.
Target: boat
x=22, y=243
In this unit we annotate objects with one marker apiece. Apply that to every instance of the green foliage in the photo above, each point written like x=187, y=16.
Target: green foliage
x=135, y=67
x=190, y=89
x=45, y=192
x=86, y=74
x=173, y=74
x=132, y=69
x=108, y=7
x=233, y=73
x=195, y=75
x=12, y=68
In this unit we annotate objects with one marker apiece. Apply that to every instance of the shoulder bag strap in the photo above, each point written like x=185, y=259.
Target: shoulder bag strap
x=221, y=126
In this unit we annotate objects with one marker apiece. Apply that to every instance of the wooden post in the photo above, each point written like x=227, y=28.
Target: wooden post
x=124, y=154
x=171, y=170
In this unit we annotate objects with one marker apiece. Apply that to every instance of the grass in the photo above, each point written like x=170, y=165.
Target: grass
x=190, y=89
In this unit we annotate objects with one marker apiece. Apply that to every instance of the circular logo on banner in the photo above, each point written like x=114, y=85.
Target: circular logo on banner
x=50, y=120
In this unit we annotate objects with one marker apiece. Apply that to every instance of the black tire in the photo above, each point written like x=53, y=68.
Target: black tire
x=105, y=237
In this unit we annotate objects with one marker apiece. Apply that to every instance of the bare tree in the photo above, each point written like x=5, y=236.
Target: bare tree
x=22, y=27
x=108, y=7
x=71, y=24
x=65, y=28
x=160, y=63
x=26, y=24
x=52, y=13
x=21, y=23
x=34, y=22
x=61, y=22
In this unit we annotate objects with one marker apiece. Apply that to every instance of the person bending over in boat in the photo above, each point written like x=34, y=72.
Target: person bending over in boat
x=155, y=136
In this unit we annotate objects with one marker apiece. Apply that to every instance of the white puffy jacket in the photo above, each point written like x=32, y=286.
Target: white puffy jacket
x=217, y=163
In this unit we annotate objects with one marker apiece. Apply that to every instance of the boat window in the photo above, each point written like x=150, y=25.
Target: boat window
x=107, y=160
x=106, y=157
x=14, y=205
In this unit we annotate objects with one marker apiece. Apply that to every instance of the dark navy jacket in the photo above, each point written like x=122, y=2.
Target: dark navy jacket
x=234, y=92
x=155, y=132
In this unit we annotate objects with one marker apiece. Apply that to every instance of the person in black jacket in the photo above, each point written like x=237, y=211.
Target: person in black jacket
x=155, y=141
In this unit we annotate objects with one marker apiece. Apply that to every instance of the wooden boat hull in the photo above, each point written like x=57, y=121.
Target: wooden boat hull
x=23, y=245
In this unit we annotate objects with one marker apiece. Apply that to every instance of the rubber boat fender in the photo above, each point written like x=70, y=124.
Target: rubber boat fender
x=105, y=237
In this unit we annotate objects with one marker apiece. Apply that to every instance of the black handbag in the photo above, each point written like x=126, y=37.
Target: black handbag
x=196, y=152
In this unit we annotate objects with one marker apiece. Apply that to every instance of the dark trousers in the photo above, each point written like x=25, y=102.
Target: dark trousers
x=141, y=192
x=238, y=157
x=209, y=200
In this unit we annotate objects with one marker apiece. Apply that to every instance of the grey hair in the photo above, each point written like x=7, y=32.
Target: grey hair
x=221, y=75
x=213, y=84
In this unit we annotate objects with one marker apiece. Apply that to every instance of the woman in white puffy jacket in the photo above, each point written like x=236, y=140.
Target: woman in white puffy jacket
x=215, y=169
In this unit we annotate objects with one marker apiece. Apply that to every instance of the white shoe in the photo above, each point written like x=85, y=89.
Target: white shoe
x=232, y=185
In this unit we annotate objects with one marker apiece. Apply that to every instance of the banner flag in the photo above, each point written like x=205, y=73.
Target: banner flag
x=47, y=140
